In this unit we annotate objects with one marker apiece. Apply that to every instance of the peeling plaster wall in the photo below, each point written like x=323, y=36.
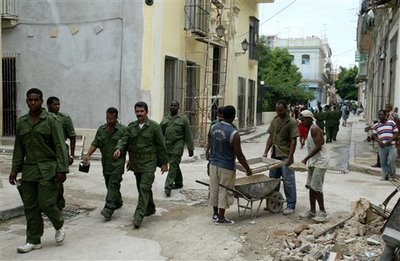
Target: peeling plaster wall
x=87, y=53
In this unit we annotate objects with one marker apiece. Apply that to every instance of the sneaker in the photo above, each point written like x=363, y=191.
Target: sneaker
x=167, y=192
x=106, y=213
x=60, y=235
x=137, y=222
x=28, y=247
x=214, y=218
x=320, y=217
x=225, y=221
x=307, y=214
x=384, y=178
x=288, y=211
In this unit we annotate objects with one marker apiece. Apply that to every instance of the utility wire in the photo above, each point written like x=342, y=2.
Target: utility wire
x=280, y=11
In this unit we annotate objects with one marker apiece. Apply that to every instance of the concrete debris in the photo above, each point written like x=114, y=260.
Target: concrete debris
x=350, y=240
x=300, y=229
x=373, y=242
x=353, y=238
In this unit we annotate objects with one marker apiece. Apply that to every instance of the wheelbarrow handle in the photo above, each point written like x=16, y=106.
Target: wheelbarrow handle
x=234, y=191
x=202, y=182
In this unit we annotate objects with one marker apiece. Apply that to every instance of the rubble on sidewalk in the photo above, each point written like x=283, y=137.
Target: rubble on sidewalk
x=358, y=239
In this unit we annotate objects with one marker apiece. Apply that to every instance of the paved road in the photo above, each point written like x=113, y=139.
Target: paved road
x=181, y=228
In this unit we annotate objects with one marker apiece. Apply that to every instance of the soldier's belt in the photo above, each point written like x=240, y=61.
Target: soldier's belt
x=144, y=156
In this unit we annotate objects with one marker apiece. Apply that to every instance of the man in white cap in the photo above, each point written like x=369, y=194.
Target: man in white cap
x=317, y=161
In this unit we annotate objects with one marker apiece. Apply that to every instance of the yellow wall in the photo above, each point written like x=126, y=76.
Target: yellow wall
x=164, y=35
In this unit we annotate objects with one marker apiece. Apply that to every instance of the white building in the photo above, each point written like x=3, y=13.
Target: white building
x=312, y=56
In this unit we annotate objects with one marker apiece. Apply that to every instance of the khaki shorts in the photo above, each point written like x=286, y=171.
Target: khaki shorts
x=219, y=196
x=315, y=178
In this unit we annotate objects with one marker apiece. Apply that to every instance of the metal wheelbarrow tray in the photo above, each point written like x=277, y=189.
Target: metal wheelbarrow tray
x=255, y=188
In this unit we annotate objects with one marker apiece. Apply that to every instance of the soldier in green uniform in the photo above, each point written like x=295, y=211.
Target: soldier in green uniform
x=107, y=137
x=145, y=144
x=53, y=105
x=330, y=122
x=41, y=155
x=320, y=118
x=337, y=115
x=176, y=130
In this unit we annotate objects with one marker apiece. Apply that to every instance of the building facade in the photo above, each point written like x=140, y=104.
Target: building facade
x=312, y=56
x=378, y=45
x=98, y=54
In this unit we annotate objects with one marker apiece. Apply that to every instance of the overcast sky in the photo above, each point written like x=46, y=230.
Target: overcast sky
x=335, y=20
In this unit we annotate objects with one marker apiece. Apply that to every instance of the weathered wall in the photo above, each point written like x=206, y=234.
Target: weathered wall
x=84, y=52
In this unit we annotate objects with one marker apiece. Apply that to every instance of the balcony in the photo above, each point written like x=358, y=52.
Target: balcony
x=364, y=34
x=9, y=15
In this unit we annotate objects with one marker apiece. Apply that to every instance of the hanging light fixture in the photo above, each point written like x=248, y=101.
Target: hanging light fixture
x=220, y=31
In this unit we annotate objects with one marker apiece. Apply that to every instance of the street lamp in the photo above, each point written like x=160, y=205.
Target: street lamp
x=245, y=47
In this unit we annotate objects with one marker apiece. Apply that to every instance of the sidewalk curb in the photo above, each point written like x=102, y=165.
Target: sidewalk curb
x=364, y=169
x=12, y=213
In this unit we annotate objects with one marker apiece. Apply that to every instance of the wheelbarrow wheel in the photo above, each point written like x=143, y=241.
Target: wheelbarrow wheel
x=275, y=202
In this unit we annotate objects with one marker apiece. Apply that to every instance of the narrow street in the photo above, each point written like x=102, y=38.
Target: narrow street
x=182, y=228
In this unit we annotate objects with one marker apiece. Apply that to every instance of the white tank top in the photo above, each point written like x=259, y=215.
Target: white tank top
x=319, y=160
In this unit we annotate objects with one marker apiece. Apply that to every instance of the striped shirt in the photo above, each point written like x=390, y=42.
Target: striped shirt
x=385, y=131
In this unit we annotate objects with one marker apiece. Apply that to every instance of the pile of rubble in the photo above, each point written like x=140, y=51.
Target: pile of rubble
x=356, y=237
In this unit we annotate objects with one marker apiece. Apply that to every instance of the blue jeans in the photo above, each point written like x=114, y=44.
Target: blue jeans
x=289, y=182
x=388, y=155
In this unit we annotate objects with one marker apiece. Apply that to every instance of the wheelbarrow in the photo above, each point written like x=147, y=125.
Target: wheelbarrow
x=252, y=189
x=381, y=209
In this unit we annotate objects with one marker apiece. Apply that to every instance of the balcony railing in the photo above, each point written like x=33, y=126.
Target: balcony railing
x=9, y=9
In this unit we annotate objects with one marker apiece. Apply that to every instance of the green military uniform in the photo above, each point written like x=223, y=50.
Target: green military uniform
x=112, y=169
x=146, y=151
x=319, y=120
x=337, y=115
x=330, y=123
x=39, y=153
x=176, y=131
x=69, y=132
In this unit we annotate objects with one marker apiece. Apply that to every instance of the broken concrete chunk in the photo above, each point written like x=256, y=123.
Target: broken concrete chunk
x=373, y=242
x=350, y=240
x=300, y=228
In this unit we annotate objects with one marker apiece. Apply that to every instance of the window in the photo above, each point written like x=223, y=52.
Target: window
x=253, y=38
x=173, y=73
x=9, y=94
x=251, y=103
x=305, y=59
x=197, y=14
x=241, y=101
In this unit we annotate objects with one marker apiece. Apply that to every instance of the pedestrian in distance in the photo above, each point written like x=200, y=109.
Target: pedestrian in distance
x=320, y=117
x=317, y=161
x=282, y=139
x=336, y=114
x=176, y=130
x=303, y=132
x=53, y=106
x=330, y=123
x=385, y=133
x=41, y=155
x=144, y=142
x=106, y=139
x=224, y=149
x=345, y=114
